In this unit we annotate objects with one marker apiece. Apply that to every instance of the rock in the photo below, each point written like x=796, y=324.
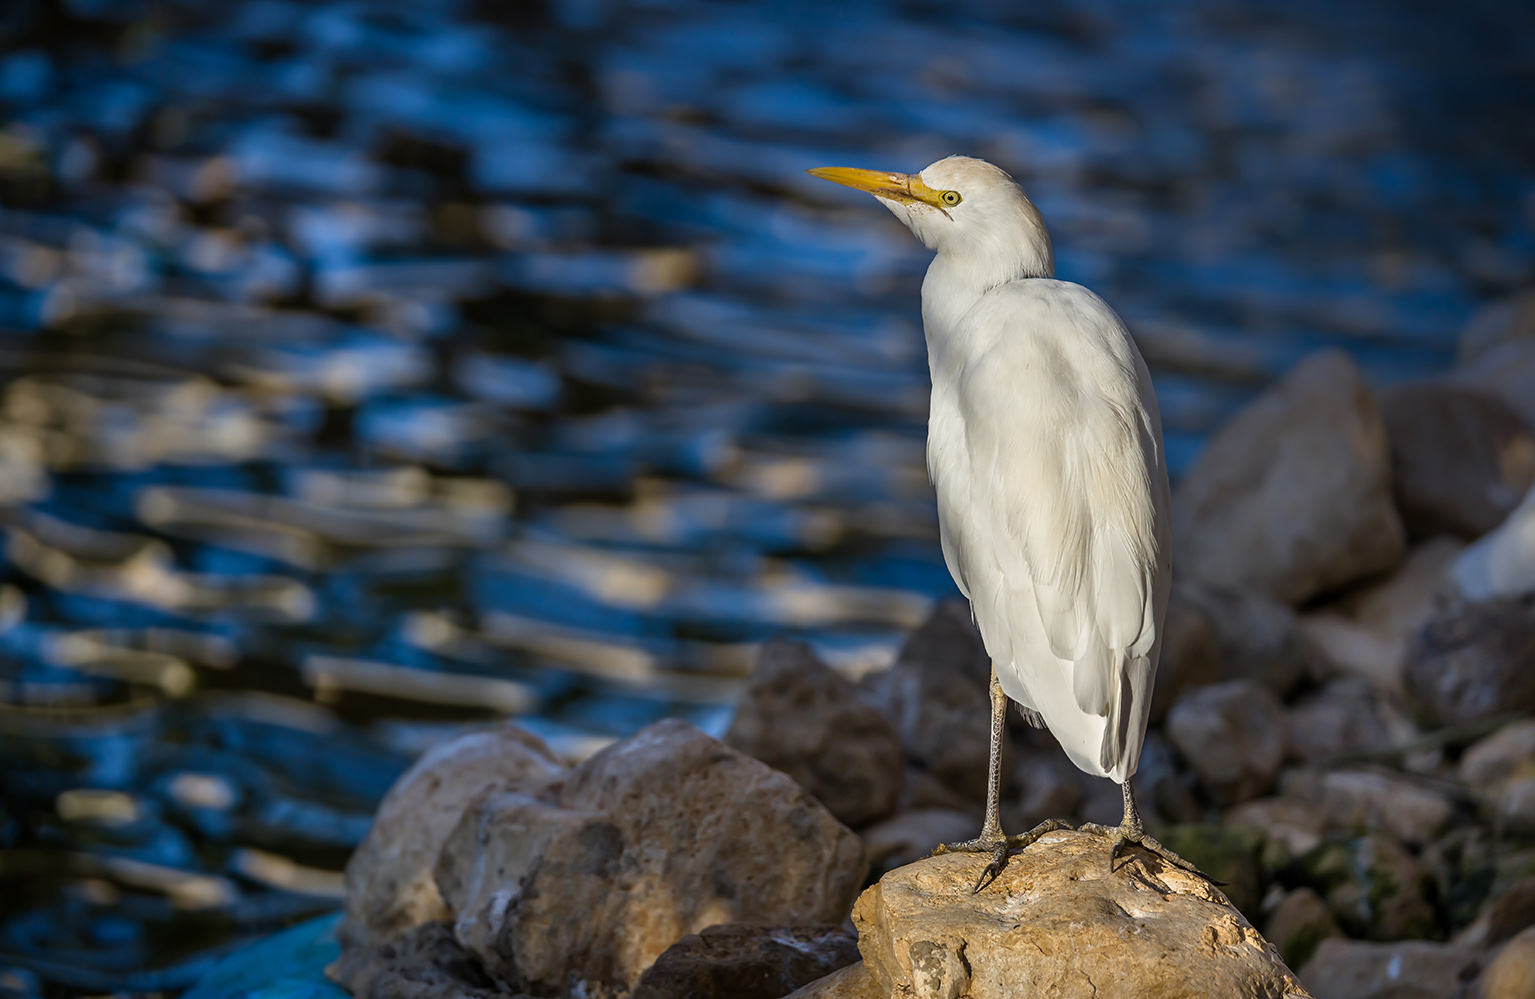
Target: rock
x=1346, y=718
x=1460, y=459
x=1374, y=887
x=1297, y=923
x=653, y=838
x=1232, y=736
x=1506, y=370
x=1228, y=853
x=1292, y=497
x=936, y=696
x=424, y=962
x=1511, y=975
x=1411, y=969
x=1256, y=637
x=910, y=836
x=1164, y=789
x=1049, y=787
x=799, y=716
x=1366, y=632
x=1502, y=563
x=1495, y=323
x=1189, y=652
x=1290, y=827
x=1471, y=662
x=1057, y=923
x=1357, y=799
x=1510, y=913
x=747, y=961
x=852, y=982
x=1465, y=864
x=1499, y=770
x=389, y=886
x=921, y=790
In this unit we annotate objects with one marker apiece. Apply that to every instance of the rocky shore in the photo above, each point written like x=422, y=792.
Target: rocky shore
x=1340, y=735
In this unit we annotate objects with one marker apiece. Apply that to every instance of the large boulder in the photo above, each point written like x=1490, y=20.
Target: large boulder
x=1059, y=923
x=799, y=716
x=1293, y=496
x=1232, y=735
x=655, y=837
x=389, y=884
x=937, y=696
x=1472, y=662
x=1460, y=459
x=747, y=961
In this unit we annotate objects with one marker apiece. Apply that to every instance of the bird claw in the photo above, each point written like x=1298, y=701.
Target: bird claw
x=1119, y=837
x=1000, y=847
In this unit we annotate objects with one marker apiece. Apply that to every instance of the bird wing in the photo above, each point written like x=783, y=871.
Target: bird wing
x=1063, y=447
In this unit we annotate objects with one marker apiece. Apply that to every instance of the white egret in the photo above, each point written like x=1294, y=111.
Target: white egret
x=1045, y=447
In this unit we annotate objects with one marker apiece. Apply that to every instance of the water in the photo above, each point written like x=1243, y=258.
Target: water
x=376, y=369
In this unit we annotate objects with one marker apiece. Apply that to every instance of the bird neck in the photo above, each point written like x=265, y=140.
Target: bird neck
x=960, y=275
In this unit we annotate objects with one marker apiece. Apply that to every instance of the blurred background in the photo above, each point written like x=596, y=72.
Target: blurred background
x=372, y=369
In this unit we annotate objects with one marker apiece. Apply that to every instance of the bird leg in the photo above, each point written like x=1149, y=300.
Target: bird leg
x=1130, y=830
x=992, y=839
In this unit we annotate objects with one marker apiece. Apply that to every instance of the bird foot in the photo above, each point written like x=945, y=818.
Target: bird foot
x=999, y=846
x=1121, y=835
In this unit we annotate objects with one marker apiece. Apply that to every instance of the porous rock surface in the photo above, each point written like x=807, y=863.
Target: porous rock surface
x=1292, y=497
x=799, y=716
x=653, y=838
x=389, y=885
x=1058, y=923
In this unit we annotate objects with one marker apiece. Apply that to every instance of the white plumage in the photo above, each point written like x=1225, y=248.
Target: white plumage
x=1045, y=447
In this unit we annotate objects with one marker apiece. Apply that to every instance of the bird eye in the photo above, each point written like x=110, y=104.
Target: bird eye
x=950, y=198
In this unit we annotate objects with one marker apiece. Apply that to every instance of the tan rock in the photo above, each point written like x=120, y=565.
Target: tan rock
x=1471, y=662
x=1366, y=633
x=1232, y=735
x=1298, y=922
x=1346, y=718
x=1058, y=923
x=910, y=836
x=1461, y=459
x=1409, y=969
x=1352, y=800
x=653, y=838
x=1290, y=827
x=389, y=885
x=1499, y=770
x=799, y=716
x=1511, y=975
x=1293, y=496
x=852, y=982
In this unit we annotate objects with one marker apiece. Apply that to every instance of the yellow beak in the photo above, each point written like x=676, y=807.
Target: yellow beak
x=907, y=187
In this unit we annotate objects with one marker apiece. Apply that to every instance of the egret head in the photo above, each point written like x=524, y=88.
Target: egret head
x=960, y=206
